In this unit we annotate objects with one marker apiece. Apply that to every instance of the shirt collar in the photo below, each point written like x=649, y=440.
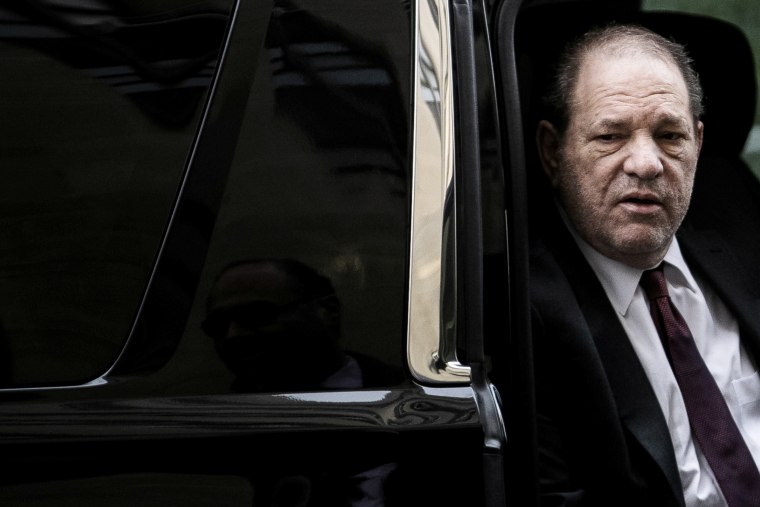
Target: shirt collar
x=620, y=281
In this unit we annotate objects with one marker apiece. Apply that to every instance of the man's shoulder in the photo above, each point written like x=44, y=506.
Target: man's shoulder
x=564, y=289
x=555, y=258
x=721, y=261
x=557, y=286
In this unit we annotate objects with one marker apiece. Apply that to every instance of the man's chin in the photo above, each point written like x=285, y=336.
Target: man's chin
x=642, y=250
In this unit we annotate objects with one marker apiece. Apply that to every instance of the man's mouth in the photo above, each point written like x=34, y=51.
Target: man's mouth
x=636, y=200
x=641, y=202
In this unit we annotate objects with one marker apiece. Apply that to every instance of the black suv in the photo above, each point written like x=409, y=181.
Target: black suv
x=274, y=252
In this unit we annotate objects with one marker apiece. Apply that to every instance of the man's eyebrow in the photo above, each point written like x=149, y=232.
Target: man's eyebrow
x=610, y=124
x=673, y=119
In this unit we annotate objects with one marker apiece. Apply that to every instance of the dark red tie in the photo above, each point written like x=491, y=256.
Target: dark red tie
x=711, y=423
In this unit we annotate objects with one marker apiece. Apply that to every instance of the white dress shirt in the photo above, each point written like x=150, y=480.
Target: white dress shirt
x=716, y=334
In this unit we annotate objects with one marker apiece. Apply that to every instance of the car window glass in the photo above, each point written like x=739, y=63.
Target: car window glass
x=99, y=103
x=304, y=285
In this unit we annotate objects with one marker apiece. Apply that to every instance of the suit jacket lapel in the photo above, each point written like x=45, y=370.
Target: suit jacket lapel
x=637, y=404
x=712, y=260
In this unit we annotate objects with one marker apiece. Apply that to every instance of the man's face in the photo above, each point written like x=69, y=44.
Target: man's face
x=625, y=167
x=268, y=332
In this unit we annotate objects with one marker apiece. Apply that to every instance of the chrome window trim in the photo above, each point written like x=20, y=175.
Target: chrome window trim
x=431, y=349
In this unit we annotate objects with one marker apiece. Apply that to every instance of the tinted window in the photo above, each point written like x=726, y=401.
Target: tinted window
x=99, y=103
x=305, y=278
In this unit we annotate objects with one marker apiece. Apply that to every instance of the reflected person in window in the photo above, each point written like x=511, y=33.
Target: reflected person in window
x=617, y=423
x=276, y=325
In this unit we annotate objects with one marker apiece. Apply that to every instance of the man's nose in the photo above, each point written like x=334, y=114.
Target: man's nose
x=643, y=159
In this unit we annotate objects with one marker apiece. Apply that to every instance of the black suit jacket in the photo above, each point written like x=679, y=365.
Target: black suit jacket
x=603, y=440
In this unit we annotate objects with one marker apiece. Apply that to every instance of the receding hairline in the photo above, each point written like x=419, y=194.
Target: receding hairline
x=622, y=48
x=600, y=57
x=626, y=40
x=619, y=41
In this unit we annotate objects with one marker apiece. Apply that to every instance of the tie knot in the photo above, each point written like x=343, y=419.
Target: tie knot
x=654, y=284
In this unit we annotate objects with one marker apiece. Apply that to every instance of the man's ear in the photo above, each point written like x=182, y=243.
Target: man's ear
x=699, y=133
x=548, y=143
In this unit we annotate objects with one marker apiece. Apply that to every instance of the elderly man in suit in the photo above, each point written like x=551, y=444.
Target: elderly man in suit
x=645, y=340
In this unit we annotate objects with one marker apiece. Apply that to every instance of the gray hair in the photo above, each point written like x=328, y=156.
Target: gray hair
x=616, y=40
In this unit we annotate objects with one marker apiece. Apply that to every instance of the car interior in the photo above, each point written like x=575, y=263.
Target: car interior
x=726, y=196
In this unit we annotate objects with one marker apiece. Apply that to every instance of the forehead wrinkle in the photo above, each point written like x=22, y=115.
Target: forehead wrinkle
x=604, y=81
x=622, y=92
x=614, y=108
x=658, y=113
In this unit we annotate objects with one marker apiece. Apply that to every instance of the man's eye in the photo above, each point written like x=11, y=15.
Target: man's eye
x=672, y=136
x=608, y=137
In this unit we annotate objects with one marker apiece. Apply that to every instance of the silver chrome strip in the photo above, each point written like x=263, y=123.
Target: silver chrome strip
x=430, y=350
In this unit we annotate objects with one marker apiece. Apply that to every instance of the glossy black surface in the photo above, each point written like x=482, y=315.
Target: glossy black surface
x=100, y=103
x=325, y=448
x=236, y=415
x=301, y=156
